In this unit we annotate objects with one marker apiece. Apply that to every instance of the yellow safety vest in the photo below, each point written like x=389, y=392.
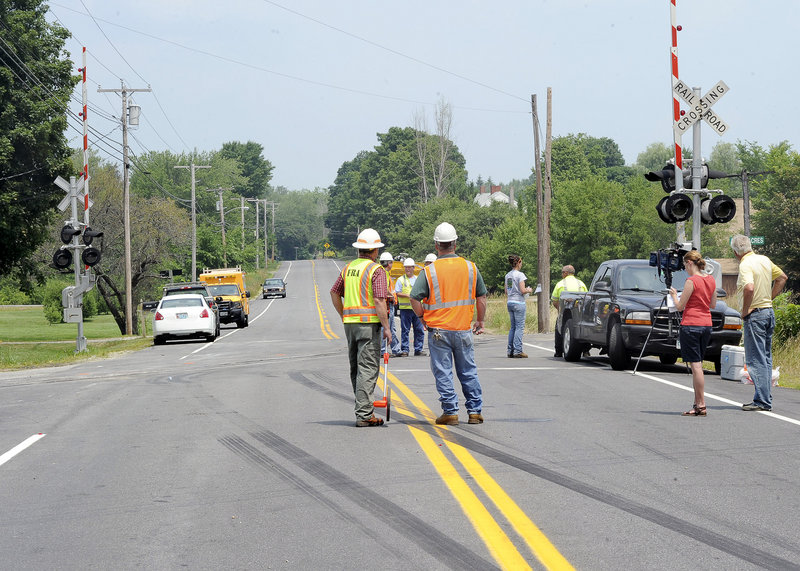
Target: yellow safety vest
x=405, y=302
x=359, y=302
x=451, y=284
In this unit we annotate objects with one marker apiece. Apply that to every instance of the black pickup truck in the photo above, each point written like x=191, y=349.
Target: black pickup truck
x=627, y=299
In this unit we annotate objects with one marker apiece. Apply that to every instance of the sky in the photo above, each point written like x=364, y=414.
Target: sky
x=314, y=81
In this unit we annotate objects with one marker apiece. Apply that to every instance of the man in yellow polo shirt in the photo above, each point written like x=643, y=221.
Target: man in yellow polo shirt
x=568, y=283
x=759, y=282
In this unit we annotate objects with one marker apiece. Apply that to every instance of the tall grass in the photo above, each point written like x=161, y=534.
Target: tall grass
x=498, y=322
x=787, y=356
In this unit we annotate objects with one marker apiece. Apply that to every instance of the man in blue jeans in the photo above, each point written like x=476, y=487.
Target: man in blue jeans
x=444, y=296
x=759, y=282
x=408, y=318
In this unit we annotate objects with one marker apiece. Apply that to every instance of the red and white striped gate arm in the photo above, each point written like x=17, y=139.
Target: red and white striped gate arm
x=676, y=106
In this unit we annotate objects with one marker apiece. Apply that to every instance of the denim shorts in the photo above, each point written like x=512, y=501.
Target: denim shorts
x=694, y=340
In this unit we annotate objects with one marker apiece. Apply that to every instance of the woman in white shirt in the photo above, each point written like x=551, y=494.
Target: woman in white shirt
x=516, y=290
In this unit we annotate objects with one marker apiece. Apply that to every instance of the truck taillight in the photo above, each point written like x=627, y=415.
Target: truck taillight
x=204, y=313
x=159, y=317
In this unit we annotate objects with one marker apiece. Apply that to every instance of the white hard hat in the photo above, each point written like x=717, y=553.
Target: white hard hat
x=386, y=257
x=430, y=258
x=369, y=239
x=409, y=262
x=445, y=233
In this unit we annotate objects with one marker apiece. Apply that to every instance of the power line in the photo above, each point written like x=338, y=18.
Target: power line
x=294, y=77
x=392, y=51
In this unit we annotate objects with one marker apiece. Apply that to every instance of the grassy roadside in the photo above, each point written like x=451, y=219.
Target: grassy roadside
x=28, y=340
x=785, y=356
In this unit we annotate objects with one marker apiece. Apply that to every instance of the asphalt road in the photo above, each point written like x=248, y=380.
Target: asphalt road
x=243, y=454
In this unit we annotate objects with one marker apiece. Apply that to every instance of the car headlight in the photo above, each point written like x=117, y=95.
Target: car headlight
x=732, y=322
x=638, y=318
x=236, y=304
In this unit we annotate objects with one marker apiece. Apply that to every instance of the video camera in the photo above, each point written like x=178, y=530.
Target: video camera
x=668, y=260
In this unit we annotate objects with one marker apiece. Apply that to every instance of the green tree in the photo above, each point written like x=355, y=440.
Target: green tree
x=35, y=86
x=512, y=236
x=256, y=170
x=654, y=157
x=299, y=223
x=594, y=220
x=778, y=211
x=381, y=188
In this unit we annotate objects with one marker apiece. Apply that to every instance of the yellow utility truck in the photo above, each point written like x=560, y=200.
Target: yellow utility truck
x=228, y=289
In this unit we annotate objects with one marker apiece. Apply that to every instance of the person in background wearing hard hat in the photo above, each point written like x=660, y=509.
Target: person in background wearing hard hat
x=359, y=296
x=407, y=316
x=429, y=259
x=386, y=261
x=568, y=283
x=444, y=296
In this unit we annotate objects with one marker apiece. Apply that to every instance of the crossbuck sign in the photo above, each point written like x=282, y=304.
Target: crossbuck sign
x=700, y=108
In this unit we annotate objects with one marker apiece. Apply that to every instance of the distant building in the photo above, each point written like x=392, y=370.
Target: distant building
x=495, y=194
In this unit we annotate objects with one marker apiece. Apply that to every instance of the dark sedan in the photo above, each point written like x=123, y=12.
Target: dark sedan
x=273, y=287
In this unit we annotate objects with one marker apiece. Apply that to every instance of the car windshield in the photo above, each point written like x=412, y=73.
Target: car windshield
x=273, y=283
x=224, y=289
x=646, y=278
x=181, y=302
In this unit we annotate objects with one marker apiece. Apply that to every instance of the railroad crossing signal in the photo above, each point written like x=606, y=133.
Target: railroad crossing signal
x=700, y=108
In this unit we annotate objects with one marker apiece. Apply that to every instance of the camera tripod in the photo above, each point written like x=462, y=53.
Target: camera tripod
x=653, y=324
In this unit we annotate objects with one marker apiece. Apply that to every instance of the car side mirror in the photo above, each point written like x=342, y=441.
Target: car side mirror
x=218, y=298
x=602, y=286
x=721, y=293
x=247, y=293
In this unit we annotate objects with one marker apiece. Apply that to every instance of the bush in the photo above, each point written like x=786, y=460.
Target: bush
x=787, y=322
x=51, y=300
x=11, y=295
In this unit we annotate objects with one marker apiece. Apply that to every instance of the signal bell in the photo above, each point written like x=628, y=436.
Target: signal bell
x=674, y=208
x=717, y=210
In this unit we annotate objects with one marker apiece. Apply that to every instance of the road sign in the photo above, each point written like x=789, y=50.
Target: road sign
x=700, y=108
x=757, y=240
x=327, y=245
x=65, y=186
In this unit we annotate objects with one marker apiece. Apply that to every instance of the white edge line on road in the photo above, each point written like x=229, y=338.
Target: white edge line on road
x=20, y=447
x=690, y=389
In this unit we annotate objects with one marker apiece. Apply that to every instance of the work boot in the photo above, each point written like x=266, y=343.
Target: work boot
x=519, y=356
x=449, y=419
x=475, y=418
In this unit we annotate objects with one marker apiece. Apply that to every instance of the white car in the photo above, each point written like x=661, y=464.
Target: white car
x=183, y=316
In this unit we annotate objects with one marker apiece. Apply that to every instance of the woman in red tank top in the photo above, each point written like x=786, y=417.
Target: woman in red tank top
x=698, y=297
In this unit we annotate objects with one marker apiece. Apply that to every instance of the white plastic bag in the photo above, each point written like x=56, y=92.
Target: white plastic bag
x=745, y=376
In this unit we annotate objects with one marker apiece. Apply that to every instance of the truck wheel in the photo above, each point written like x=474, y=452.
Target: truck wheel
x=668, y=359
x=241, y=322
x=246, y=320
x=620, y=360
x=572, y=349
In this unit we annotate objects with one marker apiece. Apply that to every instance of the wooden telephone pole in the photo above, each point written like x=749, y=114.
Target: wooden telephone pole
x=543, y=202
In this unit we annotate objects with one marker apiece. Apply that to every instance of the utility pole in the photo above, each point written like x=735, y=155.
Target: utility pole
x=126, y=202
x=273, y=204
x=192, y=167
x=242, y=207
x=543, y=275
x=221, y=206
x=259, y=201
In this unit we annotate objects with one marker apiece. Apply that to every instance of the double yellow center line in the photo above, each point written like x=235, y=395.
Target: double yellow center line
x=501, y=547
x=324, y=326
